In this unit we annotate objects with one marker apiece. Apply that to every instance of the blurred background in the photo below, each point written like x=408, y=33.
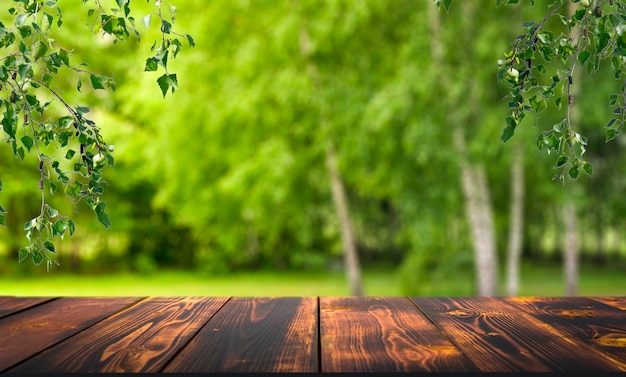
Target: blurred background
x=305, y=131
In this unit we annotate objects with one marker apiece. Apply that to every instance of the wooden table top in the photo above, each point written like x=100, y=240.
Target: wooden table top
x=312, y=334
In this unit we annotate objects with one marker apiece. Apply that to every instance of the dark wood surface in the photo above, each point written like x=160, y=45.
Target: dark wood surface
x=312, y=334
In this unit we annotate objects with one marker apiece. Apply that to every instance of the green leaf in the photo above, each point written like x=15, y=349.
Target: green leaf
x=588, y=168
x=103, y=218
x=20, y=153
x=22, y=254
x=562, y=160
x=25, y=70
x=166, y=27
x=611, y=123
x=2, y=220
x=71, y=226
x=167, y=82
x=611, y=134
x=190, y=40
x=2, y=210
x=583, y=56
x=64, y=57
x=52, y=212
x=40, y=50
x=20, y=19
x=446, y=4
x=98, y=81
x=560, y=127
x=507, y=133
x=557, y=102
x=28, y=142
x=30, y=224
x=176, y=47
x=58, y=228
x=82, y=110
x=146, y=20
x=37, y=258
x=9, y=125
x=151, y=65
x=49, y=246
x=25, y=31
x=573, y=172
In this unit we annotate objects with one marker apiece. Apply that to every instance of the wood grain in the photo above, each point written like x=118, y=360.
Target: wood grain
x=618, y=302
x=377, y=334
x=12, y=304
x=140, y=339
x=29, y=332
x=255, y=335
x=597, y=324
x=498, y=337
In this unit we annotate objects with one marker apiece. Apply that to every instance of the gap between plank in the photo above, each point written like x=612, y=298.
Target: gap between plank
x=183, y=346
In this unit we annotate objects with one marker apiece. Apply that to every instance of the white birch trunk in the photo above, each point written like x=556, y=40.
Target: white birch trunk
x=571, y=242
x=516, y=221
x=351, y=257
x=570, y=257
x=340, y=201
x=473, y=181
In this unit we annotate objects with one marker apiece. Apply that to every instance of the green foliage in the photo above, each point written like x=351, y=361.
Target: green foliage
x=36, y=117
x=539, y=72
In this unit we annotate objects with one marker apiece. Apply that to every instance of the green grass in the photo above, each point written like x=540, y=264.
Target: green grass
x=537, y=280
x=171, y=283
x=547, y=279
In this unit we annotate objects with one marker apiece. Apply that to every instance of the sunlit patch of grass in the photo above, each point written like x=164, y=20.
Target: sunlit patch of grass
x=173, y=283
x=538, y=279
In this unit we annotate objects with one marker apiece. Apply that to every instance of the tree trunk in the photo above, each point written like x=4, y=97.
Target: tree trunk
x=570, y=257
x=571, y=244
x=600, y=256
x=473, y=178
x=480, y=217
x=516, y=221
x=351, y=257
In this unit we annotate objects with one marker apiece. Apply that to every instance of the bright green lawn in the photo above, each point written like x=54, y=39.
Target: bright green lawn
x=537, y=280
x=192, y=284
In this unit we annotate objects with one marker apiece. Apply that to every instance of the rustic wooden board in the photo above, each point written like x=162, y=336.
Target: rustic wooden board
x=618, y=302
x=497, y=337
x=140, y=339
x=595, y=323
x=378, y=334
x=255, y=335
x=26, y=333
x=12, y=304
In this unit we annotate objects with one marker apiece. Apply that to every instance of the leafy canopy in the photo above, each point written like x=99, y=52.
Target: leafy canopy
x=37, y=120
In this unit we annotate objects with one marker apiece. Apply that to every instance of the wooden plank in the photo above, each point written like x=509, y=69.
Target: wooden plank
x=12, y=304
x=597, y=324
x=377, y=334
x=140, y=339
x=498, y=337
x=618, y=302
x=29, y=332
x=255, y=335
